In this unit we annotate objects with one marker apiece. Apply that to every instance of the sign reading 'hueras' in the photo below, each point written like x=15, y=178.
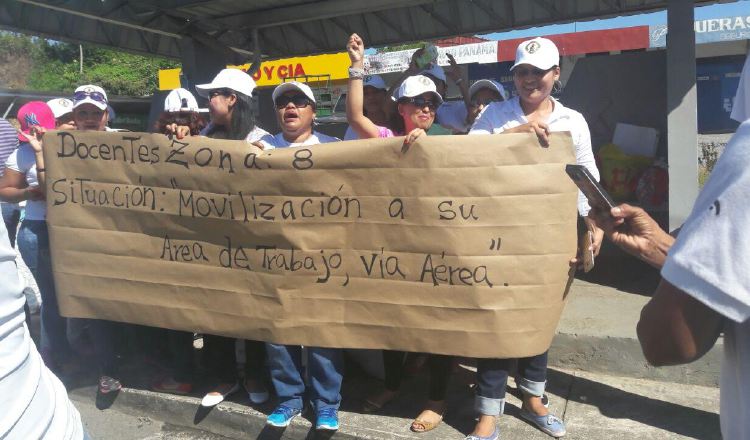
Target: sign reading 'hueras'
x=458, y=245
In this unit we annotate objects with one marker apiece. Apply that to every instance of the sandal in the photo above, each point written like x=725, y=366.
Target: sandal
x=109, y=385
x=421, y=425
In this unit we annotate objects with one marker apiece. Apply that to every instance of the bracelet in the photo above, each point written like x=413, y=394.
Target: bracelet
x=458, y=81
x=40, y=170
x=356, y=73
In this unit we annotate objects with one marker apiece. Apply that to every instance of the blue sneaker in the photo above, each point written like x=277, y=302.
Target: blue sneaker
x=328, y=419
x=549, y=424
x=494, y=436
x=282, y=416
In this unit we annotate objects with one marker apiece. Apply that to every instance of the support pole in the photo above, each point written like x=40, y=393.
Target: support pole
x=682, y=121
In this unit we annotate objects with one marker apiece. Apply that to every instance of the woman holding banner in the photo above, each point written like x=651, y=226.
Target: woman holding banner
x=417, y=99
x=24, y=179
x=536, y=73
x=232, y=117
x=295, y=111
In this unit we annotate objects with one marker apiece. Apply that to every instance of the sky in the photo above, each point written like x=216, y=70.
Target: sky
x=741, y=7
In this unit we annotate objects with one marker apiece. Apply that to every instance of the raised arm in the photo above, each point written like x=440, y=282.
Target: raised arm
x=355, y=109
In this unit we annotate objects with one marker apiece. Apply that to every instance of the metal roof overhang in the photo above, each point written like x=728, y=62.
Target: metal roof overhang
x=291, y=27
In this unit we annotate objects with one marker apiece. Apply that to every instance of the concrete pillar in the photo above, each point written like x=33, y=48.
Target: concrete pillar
x=199, y=63
x=682, y=120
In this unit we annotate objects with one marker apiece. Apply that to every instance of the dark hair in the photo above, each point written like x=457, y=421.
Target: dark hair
x=194, y=120
x=242, y=123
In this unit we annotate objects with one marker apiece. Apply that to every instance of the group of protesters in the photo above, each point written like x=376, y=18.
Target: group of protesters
x=408, y=109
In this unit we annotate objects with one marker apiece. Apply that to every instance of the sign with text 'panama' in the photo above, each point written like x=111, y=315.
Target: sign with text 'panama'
x=457, y=245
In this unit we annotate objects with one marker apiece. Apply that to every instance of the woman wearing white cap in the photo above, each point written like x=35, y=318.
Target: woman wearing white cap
x=459, y=116
x=90, y=112
x=535, y=73
x=417, y=99
x=295, y=113
x=62, y=108
x=232, y=117
x=181, y=109
x=230, y=106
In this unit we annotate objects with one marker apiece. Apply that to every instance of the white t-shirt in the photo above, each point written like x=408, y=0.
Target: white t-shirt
x=741, y=106
x=500, y=116
x=278, y=141
x=23, y=161
x=33, y=402
x=255, y=134
x=452, y=115
x=710, y=261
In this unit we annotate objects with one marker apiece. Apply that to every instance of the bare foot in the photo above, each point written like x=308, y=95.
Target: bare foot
x=485, y=426
x=534, y=405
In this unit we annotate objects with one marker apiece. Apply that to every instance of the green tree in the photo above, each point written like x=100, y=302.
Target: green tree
x=50, y=66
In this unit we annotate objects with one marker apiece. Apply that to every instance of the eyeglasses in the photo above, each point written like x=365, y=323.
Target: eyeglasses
x=96, y=96
x=420, y=102
x=524, y=71
x=223, y=92
x=299, y=101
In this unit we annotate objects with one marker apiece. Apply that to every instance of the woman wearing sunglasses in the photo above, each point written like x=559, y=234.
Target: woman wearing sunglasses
x=417, y=99
x=295, y=112
x=232, y=117
x=536, y=73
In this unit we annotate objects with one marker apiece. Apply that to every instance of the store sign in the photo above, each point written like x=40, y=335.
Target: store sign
x=272, y=73
x=464, y=54
x=710, y=30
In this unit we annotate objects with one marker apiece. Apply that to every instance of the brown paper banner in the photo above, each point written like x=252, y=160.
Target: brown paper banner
x=459, y=245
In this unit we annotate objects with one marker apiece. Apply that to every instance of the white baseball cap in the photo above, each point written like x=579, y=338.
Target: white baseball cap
x=60, y=106
x=90, y=94
x=539, y=52
x=293, y=85
x=487, y=84
x=416, y=85
x=375, y=81
x=434, y=71
x=232, y=79
x=181, y=100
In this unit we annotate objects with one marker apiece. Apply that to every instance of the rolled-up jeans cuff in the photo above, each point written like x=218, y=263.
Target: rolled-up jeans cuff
x=532, y=388
x=488, y=406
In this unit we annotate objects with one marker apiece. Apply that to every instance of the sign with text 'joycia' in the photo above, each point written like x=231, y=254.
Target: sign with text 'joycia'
x=457, y=245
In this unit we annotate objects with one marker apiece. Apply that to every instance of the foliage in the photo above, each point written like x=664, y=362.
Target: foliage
x=42, y=65
x=400, y=47
x=709, y=154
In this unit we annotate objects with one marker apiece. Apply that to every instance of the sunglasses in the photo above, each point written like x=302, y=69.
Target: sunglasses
x=223, y=92
x=299, y=101
x=96, y=96
x=524, y=71
x=420, y=102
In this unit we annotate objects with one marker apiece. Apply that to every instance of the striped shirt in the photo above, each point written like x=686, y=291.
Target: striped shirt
x=8, y=142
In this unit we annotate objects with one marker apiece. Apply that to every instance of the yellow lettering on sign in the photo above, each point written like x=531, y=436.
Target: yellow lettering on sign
x=272, y=73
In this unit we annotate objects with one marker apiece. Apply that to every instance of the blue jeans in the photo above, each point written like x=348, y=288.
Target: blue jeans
x=11, y=217
x=33, y=242
x=492, y=377
x=325, y=368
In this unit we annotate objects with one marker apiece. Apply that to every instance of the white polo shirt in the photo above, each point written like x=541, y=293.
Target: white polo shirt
x=500, y=116
x=709, y=261
x=255, y=134
x=278, y=141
